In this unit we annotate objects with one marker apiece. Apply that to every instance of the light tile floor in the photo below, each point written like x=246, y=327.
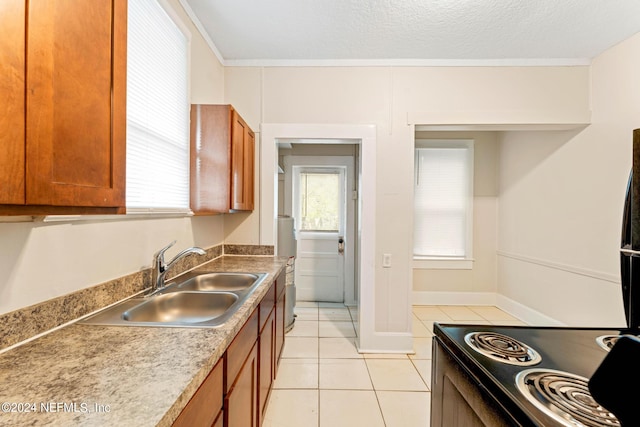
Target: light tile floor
x=324, y=382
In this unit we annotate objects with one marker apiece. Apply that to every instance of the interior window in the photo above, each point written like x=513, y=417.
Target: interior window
x=157, y=111
x=443, y=194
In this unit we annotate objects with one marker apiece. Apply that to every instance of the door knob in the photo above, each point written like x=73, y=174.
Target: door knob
x=341, y=245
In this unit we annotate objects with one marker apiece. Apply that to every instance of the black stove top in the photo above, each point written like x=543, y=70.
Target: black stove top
x=546, y=354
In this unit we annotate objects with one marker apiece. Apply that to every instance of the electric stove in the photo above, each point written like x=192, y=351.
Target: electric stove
x=517, y=376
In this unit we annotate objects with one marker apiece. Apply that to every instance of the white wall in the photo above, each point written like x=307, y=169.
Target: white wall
x=242, y=90
x=388, y=98
x=561, y=200
x=40, y=261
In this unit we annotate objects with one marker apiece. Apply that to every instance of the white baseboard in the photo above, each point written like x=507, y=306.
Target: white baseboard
x=526, y=314
x=386, y=342
x=453, y=298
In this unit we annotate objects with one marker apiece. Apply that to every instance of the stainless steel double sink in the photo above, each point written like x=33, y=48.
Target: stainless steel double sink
x=194, y=300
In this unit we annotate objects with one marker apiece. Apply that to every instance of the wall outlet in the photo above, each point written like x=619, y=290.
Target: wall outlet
x=386, y=260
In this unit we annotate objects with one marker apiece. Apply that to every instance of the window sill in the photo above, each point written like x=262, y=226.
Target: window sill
x=443, y=263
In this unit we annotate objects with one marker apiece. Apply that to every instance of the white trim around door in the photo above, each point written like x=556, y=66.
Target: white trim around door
x=365, y=136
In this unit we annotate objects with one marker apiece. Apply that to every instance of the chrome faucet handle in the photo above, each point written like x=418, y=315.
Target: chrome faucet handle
x=160, y=267
x=158, y=258
x=191, y=250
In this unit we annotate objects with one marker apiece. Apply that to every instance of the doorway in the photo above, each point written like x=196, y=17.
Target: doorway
x=320, y=192
x=364, y=136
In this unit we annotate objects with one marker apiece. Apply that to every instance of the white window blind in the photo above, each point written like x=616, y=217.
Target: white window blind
x=157, y=111
x=443, y=199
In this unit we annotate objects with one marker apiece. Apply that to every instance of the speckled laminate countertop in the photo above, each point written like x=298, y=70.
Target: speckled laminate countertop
x=88, y=375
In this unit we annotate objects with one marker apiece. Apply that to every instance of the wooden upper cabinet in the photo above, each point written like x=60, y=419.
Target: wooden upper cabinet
x=72, y=111
x=242, y=167
x=210, y=159
x=12, y=63
x=76, y=61
x=222, y=160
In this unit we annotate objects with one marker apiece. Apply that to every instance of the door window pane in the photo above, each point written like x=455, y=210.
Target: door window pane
x=319, y=201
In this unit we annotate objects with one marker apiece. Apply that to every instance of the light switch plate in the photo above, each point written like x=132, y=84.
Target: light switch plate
x=386, y=260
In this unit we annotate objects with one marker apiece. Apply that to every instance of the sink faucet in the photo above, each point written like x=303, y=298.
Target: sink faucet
x=160, y=268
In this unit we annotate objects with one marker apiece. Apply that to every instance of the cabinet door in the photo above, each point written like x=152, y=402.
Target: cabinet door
x=249, y=169
x=242, y=156
x=239, y=348
x=266, y=366
x=222, y=160
x=206, y=403
x=241, y=403
x=12, y=63
x=279, y=336
x=210, y=158
x=75, y=103
x=219, y=421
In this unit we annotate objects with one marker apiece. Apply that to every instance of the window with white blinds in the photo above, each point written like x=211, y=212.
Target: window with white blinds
x=443, y=195
x=157, y=111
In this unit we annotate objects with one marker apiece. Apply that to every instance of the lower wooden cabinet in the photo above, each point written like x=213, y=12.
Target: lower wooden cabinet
x=241, y=402
x=280, y=319
x=236, y=392
x=267, y=362
x=206, y=404
x=239, y=350
x=219, y=421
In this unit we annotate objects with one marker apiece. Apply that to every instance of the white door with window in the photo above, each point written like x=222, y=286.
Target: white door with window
x=321, y=203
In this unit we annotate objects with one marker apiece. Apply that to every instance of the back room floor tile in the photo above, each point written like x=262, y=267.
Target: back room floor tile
x=292, y=408
x=405, y=408
x=348, y=408
x=395, y=375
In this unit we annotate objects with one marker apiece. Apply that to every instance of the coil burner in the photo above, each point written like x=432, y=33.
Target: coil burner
x=607, y=341
x=564, y=397
x=502, y=348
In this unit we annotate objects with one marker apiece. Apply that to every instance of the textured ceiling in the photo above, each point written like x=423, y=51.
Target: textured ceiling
x=413, y=31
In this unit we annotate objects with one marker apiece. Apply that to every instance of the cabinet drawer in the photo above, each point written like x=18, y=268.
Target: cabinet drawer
x=267, y=304
x=240, y=348
x=281, y=283
x=206, y=403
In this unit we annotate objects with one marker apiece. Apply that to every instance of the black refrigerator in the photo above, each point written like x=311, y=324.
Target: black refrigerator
x=630, y=245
